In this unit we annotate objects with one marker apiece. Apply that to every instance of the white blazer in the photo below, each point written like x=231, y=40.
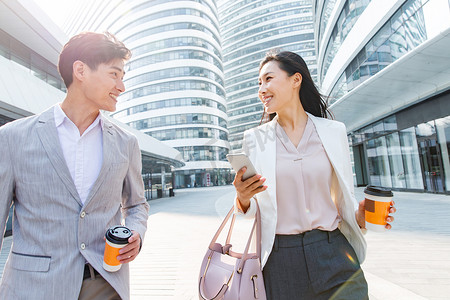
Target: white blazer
x=260, y=145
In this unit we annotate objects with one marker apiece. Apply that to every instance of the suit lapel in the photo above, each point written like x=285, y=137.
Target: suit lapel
x=108, y=156
x=48, y=135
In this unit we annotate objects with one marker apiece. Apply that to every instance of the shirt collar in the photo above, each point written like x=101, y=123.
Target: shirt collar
x=60, y=117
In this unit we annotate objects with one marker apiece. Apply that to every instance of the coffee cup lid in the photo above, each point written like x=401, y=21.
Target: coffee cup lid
x=118, y=234
x=378, y=191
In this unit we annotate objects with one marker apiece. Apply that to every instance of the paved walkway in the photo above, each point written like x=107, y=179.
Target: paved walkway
x=412, y=261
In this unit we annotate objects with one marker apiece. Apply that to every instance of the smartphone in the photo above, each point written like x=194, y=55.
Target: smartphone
x=240, y=160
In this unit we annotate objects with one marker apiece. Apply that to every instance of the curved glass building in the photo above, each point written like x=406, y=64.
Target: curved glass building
x=384, y=67
x=174, y=83
x=250, y=28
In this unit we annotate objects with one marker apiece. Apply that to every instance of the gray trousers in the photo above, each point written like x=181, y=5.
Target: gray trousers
x=314, y=265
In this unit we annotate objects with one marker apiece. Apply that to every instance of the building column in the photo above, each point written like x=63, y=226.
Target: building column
x=163, y=179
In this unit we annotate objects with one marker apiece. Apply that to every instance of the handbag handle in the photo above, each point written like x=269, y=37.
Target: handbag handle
x=257, y=225
x=219, y=295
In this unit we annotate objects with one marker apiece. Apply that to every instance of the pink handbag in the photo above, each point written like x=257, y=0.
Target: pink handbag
x=227, y=275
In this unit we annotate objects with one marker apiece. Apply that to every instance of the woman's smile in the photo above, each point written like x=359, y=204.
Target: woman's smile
x=266, y=100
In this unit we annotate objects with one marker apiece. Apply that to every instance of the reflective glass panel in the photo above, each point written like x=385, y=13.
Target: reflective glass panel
x=443, y=135
x=395, y=160
x=411, y=161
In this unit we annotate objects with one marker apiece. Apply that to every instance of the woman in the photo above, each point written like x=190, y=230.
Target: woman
x=312, y=242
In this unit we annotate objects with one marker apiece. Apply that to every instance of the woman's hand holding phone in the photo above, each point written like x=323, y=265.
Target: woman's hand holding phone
x=246, y=189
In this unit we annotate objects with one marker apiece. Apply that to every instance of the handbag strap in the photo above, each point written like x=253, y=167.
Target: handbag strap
x=233, y=219
x=257, y=224
x=224, y=222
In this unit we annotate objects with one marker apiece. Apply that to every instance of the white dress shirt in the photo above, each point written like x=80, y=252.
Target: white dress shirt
x=83, y=154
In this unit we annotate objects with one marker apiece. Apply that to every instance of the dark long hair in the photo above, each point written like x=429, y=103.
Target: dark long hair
x=310, y=98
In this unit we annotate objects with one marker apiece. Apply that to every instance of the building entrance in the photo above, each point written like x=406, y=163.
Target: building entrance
x=430, y=158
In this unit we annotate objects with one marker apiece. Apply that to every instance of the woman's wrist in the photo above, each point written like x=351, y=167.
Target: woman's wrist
x=242, y=205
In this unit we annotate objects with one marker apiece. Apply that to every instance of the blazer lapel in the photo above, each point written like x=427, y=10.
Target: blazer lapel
x=108, y=156
x=48, y=135
x=266, y=140
x=331, y=143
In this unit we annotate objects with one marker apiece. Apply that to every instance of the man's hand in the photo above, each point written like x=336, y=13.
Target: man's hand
x=130, y=251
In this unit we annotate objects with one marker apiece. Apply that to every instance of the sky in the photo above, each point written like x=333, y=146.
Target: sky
x=57, y=10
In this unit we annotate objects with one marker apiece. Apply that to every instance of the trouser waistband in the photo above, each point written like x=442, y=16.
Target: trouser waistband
x=304, y=238
x=89, y=272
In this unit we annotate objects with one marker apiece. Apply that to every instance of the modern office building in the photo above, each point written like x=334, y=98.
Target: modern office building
x=29, y=48
x=30, y=44
x=174, y=83
x=385, y=66
x=249, y=29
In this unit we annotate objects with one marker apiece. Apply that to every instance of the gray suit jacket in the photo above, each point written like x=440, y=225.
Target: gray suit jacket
x=52, y=239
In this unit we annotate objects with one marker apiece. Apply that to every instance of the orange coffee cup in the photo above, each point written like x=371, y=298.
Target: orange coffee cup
x=116, y=238
x=377, y=205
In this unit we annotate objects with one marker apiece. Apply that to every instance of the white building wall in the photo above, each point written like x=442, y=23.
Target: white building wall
x=24, y=91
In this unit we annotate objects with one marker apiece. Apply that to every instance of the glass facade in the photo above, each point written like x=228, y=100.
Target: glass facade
x=170, y=86
x=189, y=133
x=179, y=119
x=249, y=30
x=176, y=102
x=327, y=8
x=167, y=13
x=174, y=55
x=171, y=27
x=176, y=42
x=176, y=64
x=410, y=156
x=175, y=72
x=408, y=150
x=197, y=153
x=12, y=49
x=349, y=15
x=404, y=31
x=443, y=143
x=414, y=158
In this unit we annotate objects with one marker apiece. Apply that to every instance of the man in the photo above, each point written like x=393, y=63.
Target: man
x=72, y=174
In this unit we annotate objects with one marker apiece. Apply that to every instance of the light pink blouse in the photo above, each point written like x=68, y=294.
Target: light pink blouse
x=303, y=184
